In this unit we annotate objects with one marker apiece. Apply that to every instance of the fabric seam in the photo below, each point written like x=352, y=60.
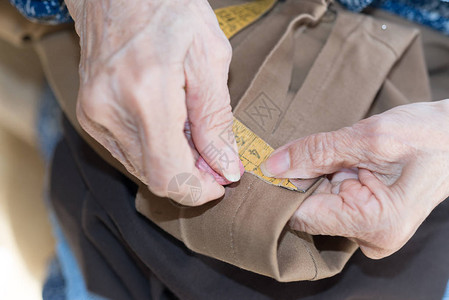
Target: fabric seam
x=233, y=248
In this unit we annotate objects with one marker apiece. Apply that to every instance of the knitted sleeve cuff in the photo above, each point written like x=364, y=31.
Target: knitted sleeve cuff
x=43, y=11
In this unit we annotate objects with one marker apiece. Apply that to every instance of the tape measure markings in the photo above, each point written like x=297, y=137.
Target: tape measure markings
x=233, y=19
x=253, y=151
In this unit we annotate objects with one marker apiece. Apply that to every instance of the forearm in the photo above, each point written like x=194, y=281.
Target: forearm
x=111, y=24
x=106, y=26
x=122, y=16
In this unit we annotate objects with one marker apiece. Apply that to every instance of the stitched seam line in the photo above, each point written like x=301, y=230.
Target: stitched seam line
x=335, y=61
x=267, y=59
x=315, y=266
x=233, y=248
x=396, y=55
x=313, y=188
x=312, y=257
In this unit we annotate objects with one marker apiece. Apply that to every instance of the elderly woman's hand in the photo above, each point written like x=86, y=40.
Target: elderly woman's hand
x=153, y=90
x=389, y=173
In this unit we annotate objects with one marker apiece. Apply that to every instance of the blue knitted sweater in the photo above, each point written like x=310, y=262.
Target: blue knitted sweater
x=434, y=13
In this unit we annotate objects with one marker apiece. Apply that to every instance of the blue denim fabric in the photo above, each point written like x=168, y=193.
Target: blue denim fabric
x=48, y=124
x=446, y=294
x=65, y=281
x=54, y=286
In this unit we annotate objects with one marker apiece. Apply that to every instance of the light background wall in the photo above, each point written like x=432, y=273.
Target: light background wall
x=26, y=243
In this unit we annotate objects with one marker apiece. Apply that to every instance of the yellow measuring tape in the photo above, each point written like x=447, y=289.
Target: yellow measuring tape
x=252, y=149
x=234, y=18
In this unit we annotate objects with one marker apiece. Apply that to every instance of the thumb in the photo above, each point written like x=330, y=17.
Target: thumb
x=210, y=113
x=317, y=154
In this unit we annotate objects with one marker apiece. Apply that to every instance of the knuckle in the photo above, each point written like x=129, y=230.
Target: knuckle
x=375, y=253
x=158, y=189
x=223, y=51
x=374, y=124
x=91, y=101
x=320, y=149
x=384, y=239
x=220, y=118
x=373, y=132
x=296, y=155
x=302, y=223
x=383, y=144
x=387, y=241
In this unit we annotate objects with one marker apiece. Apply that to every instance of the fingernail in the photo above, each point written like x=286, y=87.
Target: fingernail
x=232, y=176
x=276, y=164
x=231, y=168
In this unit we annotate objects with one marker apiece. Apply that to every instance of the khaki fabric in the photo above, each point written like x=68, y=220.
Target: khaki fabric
x=436, y=54
x=316, y=78
x=314, y=71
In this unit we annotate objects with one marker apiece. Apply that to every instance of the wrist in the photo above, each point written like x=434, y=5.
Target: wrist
x=76, y=10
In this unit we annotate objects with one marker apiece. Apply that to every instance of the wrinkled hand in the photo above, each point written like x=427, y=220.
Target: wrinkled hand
x=389, y=173
x=153, y=90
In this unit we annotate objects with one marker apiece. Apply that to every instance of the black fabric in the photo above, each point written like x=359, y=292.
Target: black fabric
x=125, y=256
